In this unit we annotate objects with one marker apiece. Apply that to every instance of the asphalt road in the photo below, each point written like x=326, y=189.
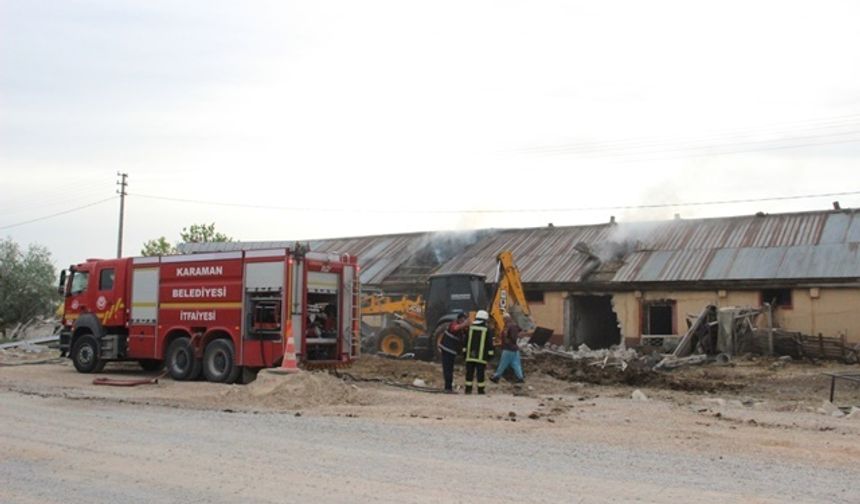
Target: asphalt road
x=55, y=450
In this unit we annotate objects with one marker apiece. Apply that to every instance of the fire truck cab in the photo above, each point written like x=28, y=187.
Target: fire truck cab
x=212, y=314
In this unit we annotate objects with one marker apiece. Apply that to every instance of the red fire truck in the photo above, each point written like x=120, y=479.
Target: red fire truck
x=216, y=314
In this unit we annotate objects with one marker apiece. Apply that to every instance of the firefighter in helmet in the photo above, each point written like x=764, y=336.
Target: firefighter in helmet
x=478, y=350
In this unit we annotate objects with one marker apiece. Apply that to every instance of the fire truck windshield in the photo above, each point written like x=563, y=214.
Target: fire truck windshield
x=80, y=279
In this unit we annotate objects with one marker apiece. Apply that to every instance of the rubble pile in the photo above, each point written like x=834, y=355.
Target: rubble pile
x=616, y=365
x=613, y=365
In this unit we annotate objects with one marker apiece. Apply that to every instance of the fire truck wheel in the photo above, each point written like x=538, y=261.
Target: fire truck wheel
x=85, y=355
x=181, y=364
x=218, y=363
x=393, y=341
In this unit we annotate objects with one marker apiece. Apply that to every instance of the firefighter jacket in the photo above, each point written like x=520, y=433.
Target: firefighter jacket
x=452, y=338
x=479, y=344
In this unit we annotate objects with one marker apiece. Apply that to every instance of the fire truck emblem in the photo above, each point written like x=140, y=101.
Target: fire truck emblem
x=75, y=304
x=326, y=267
x=101, y=303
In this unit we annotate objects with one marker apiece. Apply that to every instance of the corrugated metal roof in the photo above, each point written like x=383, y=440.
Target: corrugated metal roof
x=543, y=255
x=380, y=256
x=812, y=245
x=782, y=246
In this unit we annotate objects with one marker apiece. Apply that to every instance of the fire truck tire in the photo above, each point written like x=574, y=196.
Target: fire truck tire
x=180, y=361
x=150, y=364
x=219, y=364
x=393, y=341
x=85, y=354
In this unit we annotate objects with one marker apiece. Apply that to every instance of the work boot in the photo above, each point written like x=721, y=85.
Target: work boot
x=481, y=391
x=450, y=391
x=494, y=379
x=520, y=380
x=468, y=390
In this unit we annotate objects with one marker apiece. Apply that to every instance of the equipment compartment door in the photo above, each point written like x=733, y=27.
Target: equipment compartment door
x=144, y=313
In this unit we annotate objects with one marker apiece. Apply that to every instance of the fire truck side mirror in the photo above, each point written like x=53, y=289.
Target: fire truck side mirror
x=61, y=289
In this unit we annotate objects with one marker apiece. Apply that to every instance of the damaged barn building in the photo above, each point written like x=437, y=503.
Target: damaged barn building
x=637, y=283
x=600, y=285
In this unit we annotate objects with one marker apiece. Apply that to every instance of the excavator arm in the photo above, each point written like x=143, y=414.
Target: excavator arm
x=509, y=295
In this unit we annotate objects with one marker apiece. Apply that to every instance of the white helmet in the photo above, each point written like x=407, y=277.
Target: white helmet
x=482, y=316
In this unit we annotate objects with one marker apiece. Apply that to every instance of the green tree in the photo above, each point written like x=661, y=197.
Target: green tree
x=27, y=284
x=201, y=233
x=195, y=233
x=159, y=246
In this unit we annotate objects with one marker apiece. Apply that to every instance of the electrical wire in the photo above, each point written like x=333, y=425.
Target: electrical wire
x=57, y=214
x=609, y=150
x=35, y=196
x=501, y=211
x=48, y=204
x=826, y=131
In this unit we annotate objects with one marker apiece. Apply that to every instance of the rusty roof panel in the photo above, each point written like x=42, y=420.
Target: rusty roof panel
x=687, y=265
x=543, y=255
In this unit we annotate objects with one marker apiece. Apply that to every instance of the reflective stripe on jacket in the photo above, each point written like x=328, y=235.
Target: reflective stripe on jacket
x=479, y=344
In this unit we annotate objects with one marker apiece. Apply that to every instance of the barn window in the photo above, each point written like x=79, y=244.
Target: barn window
x=534, y=296
x=658, y=317
x=777, y=297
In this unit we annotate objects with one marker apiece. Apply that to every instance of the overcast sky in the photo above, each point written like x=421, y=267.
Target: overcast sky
x=318, y=118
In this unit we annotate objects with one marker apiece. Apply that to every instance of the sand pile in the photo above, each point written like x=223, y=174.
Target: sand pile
x=300, y=390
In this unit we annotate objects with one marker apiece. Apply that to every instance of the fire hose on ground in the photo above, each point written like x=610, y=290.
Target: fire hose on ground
x=115, y=382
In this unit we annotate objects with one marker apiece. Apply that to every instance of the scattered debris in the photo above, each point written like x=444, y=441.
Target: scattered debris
x=637, y=395
x=830, y=409
x=673, y=362
x=30, y=344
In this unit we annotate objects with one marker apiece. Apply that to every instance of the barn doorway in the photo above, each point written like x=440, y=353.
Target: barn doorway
x=593, y=322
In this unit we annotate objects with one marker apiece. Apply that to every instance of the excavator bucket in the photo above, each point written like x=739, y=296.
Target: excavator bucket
x=521, y=318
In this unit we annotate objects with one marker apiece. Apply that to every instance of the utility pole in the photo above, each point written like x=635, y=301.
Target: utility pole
x=122, y=183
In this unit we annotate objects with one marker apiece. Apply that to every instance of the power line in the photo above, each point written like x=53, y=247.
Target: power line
x=497, y=211
x=825, y=129
x=70, y=210
x=44, y=203
x=645, y=149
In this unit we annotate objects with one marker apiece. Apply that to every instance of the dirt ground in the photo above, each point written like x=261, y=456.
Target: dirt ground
x=754, y=390
x=757, y=408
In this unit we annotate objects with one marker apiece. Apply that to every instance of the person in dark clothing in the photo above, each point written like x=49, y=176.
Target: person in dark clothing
x=478, y=350
x=450, y=346
x=510, y=351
